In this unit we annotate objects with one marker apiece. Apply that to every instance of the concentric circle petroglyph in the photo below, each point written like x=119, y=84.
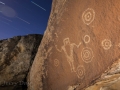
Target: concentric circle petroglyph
x=56, y=62
x=106, y=44
x=86, y=38
x=87, y=55
x=88, y=16
x=80, y=71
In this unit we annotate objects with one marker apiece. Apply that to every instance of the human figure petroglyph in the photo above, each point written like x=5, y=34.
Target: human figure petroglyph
x=69, y=56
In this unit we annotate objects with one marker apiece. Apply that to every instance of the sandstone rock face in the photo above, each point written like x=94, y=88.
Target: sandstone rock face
x=109, y=80
x=80, y=42
x=16, y=57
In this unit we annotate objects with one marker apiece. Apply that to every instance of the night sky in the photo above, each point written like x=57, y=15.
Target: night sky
x=22, y=17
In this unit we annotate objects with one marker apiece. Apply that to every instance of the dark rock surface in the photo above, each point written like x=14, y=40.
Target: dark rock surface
x=16, y=57
x=81, y=40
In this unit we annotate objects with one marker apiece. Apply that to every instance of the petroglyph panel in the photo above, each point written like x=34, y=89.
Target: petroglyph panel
x=88, y=38
x=88, y=16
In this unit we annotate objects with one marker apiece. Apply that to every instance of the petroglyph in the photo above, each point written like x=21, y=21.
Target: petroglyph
x=88, y=16
x=69, y=55
x=87, y=55
x=80, y=71
x=56, y=62
x=86, y=38
x=106, y=44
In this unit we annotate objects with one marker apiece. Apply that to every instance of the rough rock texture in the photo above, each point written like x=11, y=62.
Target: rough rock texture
x=80, y=42
x=16, y=57
x=110, y=80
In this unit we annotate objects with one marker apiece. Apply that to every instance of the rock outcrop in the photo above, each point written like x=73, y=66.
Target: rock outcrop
x=16, y=57
x=109, y=80
x=81, y=41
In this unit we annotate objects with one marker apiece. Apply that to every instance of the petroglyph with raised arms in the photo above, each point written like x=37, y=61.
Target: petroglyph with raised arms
x=70, y=58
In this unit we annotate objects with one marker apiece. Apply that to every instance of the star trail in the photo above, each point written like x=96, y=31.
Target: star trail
x=22, y=17
x=38, y=5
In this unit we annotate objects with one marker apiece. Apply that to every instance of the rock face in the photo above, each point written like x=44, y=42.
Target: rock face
x=80, y=42
x=109, y=80
x=16, y=57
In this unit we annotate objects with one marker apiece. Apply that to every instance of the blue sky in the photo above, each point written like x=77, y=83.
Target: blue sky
x=22, y=17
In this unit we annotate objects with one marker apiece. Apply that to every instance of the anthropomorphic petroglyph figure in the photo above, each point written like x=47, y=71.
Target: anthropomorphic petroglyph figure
x=69, y=55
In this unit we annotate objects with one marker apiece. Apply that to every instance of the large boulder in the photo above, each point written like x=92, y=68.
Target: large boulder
x=16, y=57
x=80, y=42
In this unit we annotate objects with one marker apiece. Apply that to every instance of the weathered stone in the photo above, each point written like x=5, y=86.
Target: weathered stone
x=109, y=80
x=16, y=57
x=80, y=42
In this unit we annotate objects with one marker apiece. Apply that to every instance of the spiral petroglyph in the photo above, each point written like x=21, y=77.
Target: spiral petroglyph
x=87, y=55
x=88, y=16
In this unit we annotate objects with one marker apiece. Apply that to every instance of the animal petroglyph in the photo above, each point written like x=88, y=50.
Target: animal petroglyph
x=69, y=55
x=106, y=44
x=80, y=71
x=86, y=38
x=88, y=16
x=87, y=55
x=56, y=62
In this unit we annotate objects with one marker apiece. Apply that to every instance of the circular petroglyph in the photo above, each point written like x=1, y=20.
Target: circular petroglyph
x=86, y=38
x=88, y=16
x=106, y=44
x=56, y=62
x=80, y=71
x=87, y=55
